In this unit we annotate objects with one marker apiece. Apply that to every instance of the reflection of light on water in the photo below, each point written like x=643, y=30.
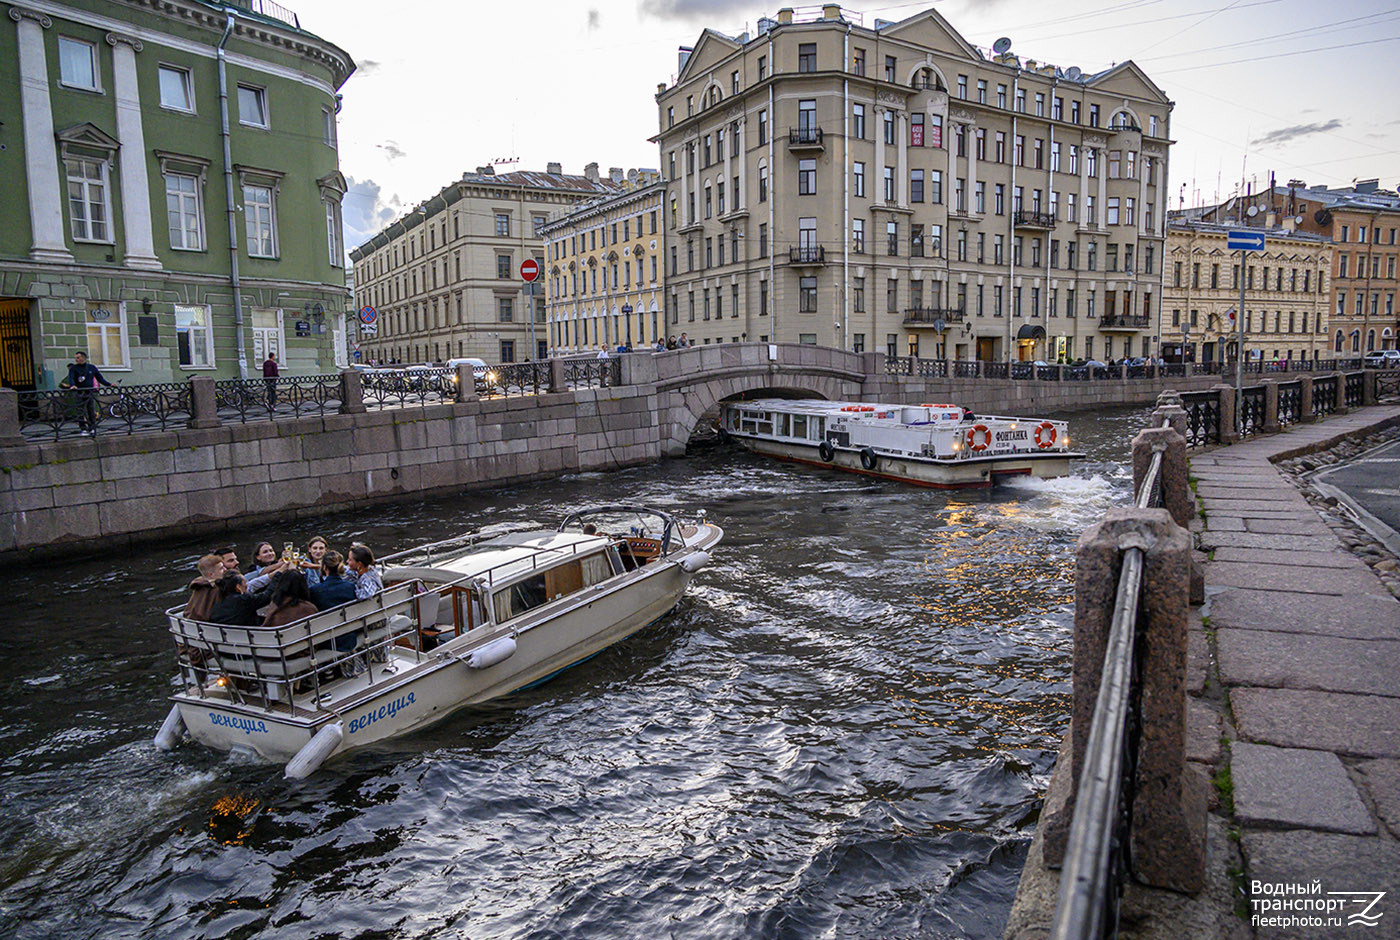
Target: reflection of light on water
x=234, y=811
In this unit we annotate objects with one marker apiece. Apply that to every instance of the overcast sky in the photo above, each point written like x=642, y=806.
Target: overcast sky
x=1303, y=88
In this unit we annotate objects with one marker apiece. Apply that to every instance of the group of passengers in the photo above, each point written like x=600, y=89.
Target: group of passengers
x=274, y=590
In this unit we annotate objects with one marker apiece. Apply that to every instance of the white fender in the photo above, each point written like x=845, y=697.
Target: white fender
x=694, y=562
x=314, y=752
x=496, y=651
x=172, y=730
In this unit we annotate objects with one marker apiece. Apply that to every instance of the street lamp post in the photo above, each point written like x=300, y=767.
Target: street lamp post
x=627, y=321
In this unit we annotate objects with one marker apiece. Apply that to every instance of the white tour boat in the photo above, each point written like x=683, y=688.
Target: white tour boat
x=459, y=622
x=930, y=445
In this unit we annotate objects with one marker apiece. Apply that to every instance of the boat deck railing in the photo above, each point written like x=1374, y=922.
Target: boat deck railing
x=269, y=667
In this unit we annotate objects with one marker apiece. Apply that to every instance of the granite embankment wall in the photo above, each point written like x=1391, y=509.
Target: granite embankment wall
x=59, y=494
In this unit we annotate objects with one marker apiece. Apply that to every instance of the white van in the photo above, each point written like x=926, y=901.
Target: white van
x=485, y=376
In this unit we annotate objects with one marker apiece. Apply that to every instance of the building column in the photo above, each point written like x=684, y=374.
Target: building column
x=970, y=135
x=685, y=186
x=741, y=198
x=728, y=174
x=136, y=190
x=40, y=149
x=1101, y=220
x=1142, y=198
x=879, y=174
x=1083, y=186
x=901, y=170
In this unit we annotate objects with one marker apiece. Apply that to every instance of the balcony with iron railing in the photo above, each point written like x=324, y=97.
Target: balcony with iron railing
x=807, y=255
x=1125, y=321
x=274, y=11
x=1031, y=218
x=806, y=137
x=930, y=316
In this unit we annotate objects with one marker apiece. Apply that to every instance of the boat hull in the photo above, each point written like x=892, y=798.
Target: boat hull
x=429, y=687
x=968, y=473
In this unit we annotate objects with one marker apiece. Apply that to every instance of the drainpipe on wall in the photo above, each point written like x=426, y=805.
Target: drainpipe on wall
x=1010, y=296
x=846, y=195
x=772, y=232
x=230, y=204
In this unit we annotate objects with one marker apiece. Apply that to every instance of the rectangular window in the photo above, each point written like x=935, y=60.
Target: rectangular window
x=507, y=350
x=858, y=181
x=762, y=68
x=807, y=57
x=807, y=295
x=184, y=212
x=806, y=177
x=194, y=337
x=106, y=335
x=916, y=185
x=252, y=106
x=891, y=65
x=889, y=184
x=77, y=63
x=260, y=221
x=175, y=89
x=87, y=200
x=503, y=267
x=916, y=129
x=505, y=309
x=858, y=236
x=333, y=240
x=858, y=295
x=503, y=223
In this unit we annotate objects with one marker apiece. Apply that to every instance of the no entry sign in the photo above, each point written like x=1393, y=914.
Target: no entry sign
x=529, y=269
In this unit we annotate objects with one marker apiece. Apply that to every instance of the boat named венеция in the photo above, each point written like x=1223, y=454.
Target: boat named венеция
x=930, y=445
x=488, y=615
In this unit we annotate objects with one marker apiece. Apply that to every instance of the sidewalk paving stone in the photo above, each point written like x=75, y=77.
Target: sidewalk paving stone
x=1360, y=725
x=1225, y=504
x=1307, y=543
x=1290, y=578
x=1364, y=617
x=1341, y=863
x=1288, y=526
x=1264, y=556
x=1308, y=661
x=1381, y=779
x=1279, y=787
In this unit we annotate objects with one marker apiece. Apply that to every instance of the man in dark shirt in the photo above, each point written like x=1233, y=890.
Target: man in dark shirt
x=270, y=373
x=83, y=378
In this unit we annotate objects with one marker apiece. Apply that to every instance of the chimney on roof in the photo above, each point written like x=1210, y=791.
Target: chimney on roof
x=615, y=174
x=556, y=168
x=785, y=16
x=590, y=172
x=831, y=11
x=682, y=57
x=486, y=171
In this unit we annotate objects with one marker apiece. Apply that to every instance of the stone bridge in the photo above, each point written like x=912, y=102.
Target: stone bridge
x=215, y=475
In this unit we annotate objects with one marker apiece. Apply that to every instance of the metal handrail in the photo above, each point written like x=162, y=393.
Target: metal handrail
x=1085, y=887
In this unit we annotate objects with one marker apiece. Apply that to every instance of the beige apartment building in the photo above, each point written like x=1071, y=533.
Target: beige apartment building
x=445, y=279
x=603, y=268
x=890, y=186
x=1286, y=295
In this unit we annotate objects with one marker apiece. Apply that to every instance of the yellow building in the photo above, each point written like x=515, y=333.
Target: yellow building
x=891, y=186
x=445, y=279
x=603, y=269
x=1286, y=295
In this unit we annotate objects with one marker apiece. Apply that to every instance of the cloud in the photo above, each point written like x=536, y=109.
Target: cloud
x=392, y=150
x=593, y=19
x=365, y=210
x=1285, y=135
x=368, y=66
x=692, y=10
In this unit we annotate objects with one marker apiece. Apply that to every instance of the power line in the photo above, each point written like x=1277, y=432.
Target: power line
x=1280, y=55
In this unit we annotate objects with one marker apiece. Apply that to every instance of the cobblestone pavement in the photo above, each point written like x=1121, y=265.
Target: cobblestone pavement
x=1297, y=705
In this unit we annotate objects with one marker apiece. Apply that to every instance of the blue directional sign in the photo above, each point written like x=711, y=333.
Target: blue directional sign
x=1245, y=241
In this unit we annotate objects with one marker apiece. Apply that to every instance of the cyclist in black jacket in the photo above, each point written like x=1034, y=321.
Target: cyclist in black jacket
x=83, y=378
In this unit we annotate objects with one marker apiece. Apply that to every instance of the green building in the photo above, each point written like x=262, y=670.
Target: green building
x=137, y=141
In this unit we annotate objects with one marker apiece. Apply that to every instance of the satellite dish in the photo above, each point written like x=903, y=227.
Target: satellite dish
x=1073, y=74
x=1252, y=211
x=1001, y=45
x=1322, y=217
x=1297, y=220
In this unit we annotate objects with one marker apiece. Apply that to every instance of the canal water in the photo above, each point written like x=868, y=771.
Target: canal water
x=842, y=731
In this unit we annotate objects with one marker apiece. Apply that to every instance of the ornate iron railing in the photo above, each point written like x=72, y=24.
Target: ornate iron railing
x=1354, y=390
x=963, y=369
x=1251, y=416
x=996, y=370
x=1324, y=398
x=290, y=396
x=1021, y=370
x=115, y=409
x=1202, y=418
x=1290, y=403
x=1047, y=373
x=593, y=373
x=523, y=378
x=400, y=388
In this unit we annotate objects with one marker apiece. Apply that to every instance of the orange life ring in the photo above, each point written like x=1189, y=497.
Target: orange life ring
x=972, y=433
x=1044, y=442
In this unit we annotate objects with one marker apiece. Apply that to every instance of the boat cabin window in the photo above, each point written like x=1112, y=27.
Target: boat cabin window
x=541, y=588
x=781, y=425
x=732, y=420
x=816, y=429
x=757, y=422
x=799, y=426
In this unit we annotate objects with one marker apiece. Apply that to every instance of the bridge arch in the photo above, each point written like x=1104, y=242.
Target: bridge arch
x=691, y=383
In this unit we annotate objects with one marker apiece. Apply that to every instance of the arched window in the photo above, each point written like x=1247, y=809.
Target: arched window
x=1371, y=341
x=1356, y=341
x=1337, y=346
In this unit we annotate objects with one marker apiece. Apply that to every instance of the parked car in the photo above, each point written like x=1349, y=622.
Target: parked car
x=487, y=380
x=1382, y=359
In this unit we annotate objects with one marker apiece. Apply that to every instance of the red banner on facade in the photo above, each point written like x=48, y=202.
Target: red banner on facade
x=936, y=136
x=916, y=135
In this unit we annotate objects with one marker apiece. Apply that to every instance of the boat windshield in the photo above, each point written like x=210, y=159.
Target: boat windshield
x=625, y=522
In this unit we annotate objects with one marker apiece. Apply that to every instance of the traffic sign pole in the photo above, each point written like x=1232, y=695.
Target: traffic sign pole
x=1239, y=344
